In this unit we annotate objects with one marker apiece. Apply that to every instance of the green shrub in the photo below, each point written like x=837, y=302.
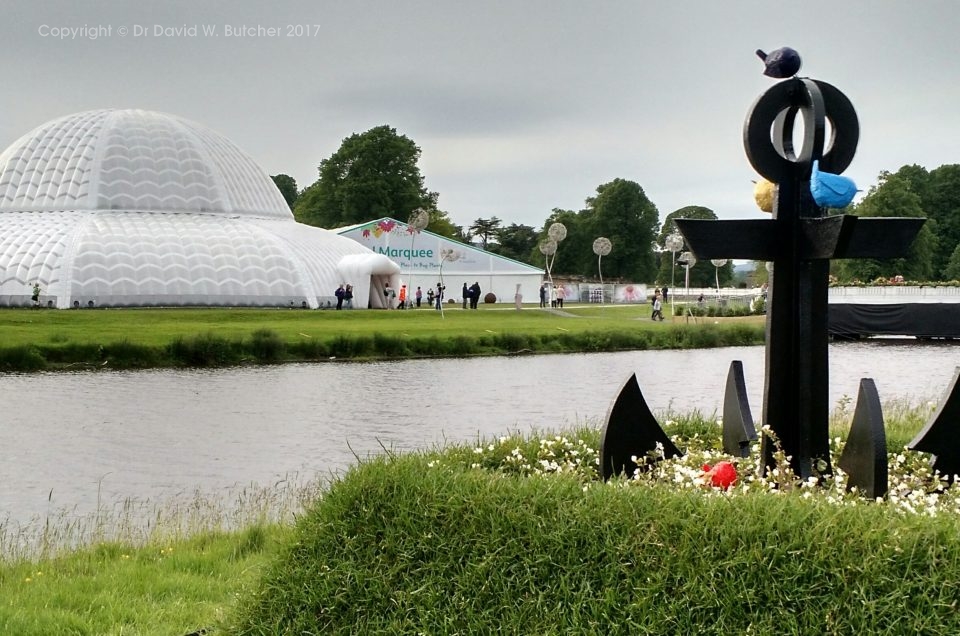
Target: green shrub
x=728, y=309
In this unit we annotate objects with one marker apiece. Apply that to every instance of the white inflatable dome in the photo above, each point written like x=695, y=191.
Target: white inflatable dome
x=137, y=208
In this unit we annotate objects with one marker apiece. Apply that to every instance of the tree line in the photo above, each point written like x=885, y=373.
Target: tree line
x=375, y=174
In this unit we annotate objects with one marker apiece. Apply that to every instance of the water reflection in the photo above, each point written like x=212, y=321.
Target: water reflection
x=151, y=435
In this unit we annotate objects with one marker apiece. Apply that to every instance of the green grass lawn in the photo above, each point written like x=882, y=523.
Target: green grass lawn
x=32, y=339
x=172, y=587
x=160, y=326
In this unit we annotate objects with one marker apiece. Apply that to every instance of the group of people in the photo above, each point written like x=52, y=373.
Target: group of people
x=403, y=299
x=344, y=294
x=471, y=295
x=557, y=294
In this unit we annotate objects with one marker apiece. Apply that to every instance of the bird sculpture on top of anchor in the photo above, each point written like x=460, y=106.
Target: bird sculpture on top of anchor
x=781, y=63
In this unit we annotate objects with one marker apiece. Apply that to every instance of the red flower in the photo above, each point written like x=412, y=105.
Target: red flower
x=722, y=475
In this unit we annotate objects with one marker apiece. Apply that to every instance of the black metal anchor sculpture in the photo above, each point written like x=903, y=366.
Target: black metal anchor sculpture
x=800, y=239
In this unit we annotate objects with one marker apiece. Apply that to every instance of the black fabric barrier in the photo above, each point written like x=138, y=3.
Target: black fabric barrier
x=933, y=320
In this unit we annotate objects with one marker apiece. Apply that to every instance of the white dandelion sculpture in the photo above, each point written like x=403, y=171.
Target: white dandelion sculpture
x=446, y=256
x=601, y=247
x=555, y=233
x=688, y=260
x=418, y=220
x=548, y=248
x=717, y=264
x=673, y=243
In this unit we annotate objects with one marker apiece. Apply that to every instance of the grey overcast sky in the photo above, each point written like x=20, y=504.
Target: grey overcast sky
x=518, y=106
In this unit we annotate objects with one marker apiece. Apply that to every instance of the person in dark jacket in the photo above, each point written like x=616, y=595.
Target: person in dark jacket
x=339, y=294
x=474, y=294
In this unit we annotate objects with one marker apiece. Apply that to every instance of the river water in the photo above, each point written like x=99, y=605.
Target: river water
x=71, y=440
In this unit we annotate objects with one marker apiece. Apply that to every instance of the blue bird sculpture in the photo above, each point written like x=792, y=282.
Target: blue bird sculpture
x=784, y=62
x=831, y=190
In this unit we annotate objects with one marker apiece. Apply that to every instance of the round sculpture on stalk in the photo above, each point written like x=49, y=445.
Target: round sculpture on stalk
x=446, y=256
x=673, y=243
x=688, y=260
x=418, y=220
x=548, y=248
x=717, y=264
x=601, y=247
x=557, y=232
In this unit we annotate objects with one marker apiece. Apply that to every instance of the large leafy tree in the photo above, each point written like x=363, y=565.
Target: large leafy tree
x=622, y=212
x=288, y=188
x=703, y=273
x=516, y=242
x=485, y=229
x=569, y=258
x=894, y=197
x=441, y=224
x=372, y=174
x=952, y=272
x=940, y=200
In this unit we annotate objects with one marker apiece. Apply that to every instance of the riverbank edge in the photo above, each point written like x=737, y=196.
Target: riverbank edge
x=265, y=346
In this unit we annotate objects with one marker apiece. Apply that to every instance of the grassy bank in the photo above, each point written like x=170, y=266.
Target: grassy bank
x=516, y=535
x=518, y=538
x=141, y=338
x=402, y=548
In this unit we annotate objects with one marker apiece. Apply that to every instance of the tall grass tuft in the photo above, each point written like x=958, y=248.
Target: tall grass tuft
x=21, y=358
x=204, y=350
x=310, y=349
x=351, y=347
x=73, y=353
x=137, y=522
x=129, y=355
x=267, y=346
x=390, y=346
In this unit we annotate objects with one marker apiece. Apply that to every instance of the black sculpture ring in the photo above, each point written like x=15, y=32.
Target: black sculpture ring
x=773, y=156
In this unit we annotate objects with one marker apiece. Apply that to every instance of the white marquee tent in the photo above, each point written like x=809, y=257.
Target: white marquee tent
x=419, y=256
x=136, y=208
